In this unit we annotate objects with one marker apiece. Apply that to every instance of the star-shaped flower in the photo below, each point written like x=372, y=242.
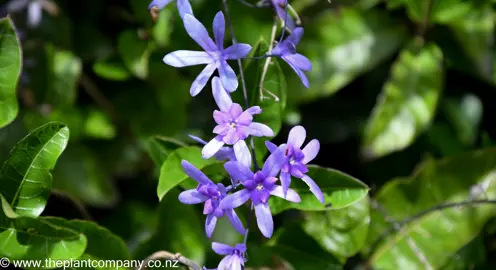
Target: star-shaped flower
x=211, y=194
x=233, y=125
x=183, y=6
x=295, y=161
x=258, y=188
x=214, y=56
x=287, y=51
x=235, y=256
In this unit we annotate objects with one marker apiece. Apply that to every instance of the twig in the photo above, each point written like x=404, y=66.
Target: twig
x=425, y=22
x=267, y=61
x=243, y=83
x=165, y=255
x=75, y=201
x=399, y=225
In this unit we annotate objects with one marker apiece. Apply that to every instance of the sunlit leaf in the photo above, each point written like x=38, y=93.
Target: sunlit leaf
x=340, y=190
x=99, y=125
x=160, y=147
x=465, y=115
x=162, y=28
x=111, y=69
x=407, y=103
x=432, y=239
x=25, y=178
x=10, y=64
x=351, y=43
x=342, y=232
x=445, y=11
x=172, y=173
x=135, y=53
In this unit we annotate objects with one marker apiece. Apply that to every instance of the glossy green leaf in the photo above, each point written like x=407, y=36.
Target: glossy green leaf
x=341, y=232
x=172, y=173
x=26, y=238
x=135, y=53
x=180, y=229
x=80, y=174
x=475, y=33
x=340, y=190
x=25, y=178
x=431, y=240
x=351, y=43
x=10, y=64
x=102, y=243
x=64, y=72
x=160, y=147
x=471, y=256
x=271, y=98
x=111, y=69
x=407, y=104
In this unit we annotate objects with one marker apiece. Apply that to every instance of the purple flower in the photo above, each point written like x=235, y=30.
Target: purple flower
x=225, y=153
x=234, y=260
x=258, y=188
x=211, y=194
x=294, y=163
x=287, y=51
x=183, y=6
x=215, y=56
x=280, y=7
x=34, y=7
x=233, y=125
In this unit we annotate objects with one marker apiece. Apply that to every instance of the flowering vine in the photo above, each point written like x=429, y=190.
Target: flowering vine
x=236, y=124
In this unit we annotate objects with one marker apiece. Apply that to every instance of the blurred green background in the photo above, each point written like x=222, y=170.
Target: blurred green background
x=400, y=98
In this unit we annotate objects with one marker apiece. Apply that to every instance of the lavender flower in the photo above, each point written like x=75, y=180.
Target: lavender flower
x=287, y=51
x=211, y=195
x=234, y=260
x=224, y=154
x=183, y=6
x=294, y=163
x=234, y=125
x=215, y=56
x=34, y=7
x=258, y=188
x=280, y=7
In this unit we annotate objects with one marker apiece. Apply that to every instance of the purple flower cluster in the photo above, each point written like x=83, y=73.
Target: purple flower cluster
x=234, y=126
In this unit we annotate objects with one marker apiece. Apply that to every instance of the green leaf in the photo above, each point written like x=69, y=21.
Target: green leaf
x=99, y=125
x=135, y=53
x=431, y=240
x=465, y=115
x=102, y=243
x=470, y=256
x=341, y=232
x=179, y=229
x=25, y=178
x=162, y=28
x=407, y=104
x=442, y=12
x=80, y=174
x=475, y=32
x=111, y=69
x=340, y=190
x=160, y=147
x=10, y=64
x=26, y=238
x=351, y=43
x=64, y=71
x=172, y=173
x=272, y=107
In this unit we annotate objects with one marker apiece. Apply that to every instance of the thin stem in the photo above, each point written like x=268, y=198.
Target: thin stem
x=267, y=61
x=398, y=225
x=248, y=4
x=250, y=217
x=284, y=23
x=165, y=255
x=298, y=19
x=75, y=201
x=243, y=82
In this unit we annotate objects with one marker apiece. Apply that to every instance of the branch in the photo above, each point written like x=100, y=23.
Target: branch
x=165, y=255
x=398, y=225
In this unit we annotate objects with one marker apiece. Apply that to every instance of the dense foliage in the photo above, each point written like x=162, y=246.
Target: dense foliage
x=96, y=123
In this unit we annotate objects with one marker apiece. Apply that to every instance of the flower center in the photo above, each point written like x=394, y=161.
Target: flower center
x=292, y=161
x=260, y=187
x=217, y=56
x=232, y=125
